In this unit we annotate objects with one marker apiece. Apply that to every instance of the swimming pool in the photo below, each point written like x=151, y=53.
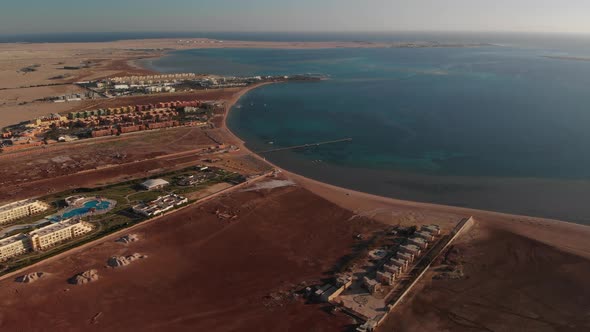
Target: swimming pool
x=98, y=206
x=87, y=208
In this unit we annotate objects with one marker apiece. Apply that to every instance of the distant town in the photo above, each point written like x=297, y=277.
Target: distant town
x=110, y=121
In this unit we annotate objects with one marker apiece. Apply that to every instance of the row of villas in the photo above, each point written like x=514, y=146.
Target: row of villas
x=133, y=108
x=402, y=260
x=43, y=238
x=152, y=78
x=132, y=127
x=160, y=205
x=21, y=209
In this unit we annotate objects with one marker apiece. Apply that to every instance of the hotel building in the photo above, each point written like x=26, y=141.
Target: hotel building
x=14, y=246
x=20, y=209
x=49, y=236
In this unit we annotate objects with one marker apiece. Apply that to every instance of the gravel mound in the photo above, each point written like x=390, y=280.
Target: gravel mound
x=30, y=278
x=118, y=261
x=128, y=238
x=84, y=277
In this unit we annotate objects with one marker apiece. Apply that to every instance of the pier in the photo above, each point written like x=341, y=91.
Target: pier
x=305, y=146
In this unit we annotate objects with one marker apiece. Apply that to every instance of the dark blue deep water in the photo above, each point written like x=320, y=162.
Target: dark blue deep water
x=500, y=127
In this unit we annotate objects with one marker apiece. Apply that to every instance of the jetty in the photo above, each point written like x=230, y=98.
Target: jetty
x=305, y=146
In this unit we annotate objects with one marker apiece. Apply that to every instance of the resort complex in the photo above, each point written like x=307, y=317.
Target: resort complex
x=83, y=213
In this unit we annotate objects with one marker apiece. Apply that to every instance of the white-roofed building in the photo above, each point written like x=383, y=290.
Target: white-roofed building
x=154, y=184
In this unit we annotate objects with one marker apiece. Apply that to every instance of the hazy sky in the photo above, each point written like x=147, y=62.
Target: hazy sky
x=34, y=16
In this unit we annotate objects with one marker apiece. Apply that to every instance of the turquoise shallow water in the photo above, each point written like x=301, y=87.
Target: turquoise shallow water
x=495, y=128
x=88, y=206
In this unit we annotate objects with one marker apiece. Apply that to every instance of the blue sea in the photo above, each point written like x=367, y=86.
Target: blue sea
x=500, y=127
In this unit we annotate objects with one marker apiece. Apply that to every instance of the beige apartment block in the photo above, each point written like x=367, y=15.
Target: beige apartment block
x=21, y=209
x=49, y=236
x=14, y=246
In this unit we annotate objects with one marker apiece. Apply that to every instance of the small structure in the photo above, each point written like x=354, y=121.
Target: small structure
x=342, y=283
x=190, y=180
x=405, y=256
x=328, y=295
x=153, y=184
x=432, y=229
x=425, y=235
x=399, y=262
x=411, y=249
x=386, y=278
x=419, y=242
x=395, y=270
x=321, y=290
x=73, y=200
x=372, y=285
x=368, y=326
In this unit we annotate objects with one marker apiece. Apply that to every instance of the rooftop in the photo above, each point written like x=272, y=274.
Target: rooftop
x=12, y=239
x=13, y=205
x=410, y=247
x=54, y=227
x=154, y=183
x=418, y=239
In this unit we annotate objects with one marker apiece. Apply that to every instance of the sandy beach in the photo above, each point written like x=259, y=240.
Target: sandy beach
x=502, y=252
x=560, y=234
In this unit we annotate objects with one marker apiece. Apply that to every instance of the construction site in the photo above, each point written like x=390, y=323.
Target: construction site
x=371, y=286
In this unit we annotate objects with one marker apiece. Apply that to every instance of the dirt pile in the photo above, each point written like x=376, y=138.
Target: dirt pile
x=30, y=278
x=450, y=265
x=128, y=238
x=84, y=277
x=118, y=261
x=226, y=215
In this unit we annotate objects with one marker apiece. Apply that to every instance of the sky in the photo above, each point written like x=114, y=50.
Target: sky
x=58, y=16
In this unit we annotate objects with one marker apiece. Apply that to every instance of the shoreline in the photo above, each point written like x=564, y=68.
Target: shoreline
x=563, y=235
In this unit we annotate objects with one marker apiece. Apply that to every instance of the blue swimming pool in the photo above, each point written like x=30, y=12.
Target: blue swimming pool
x=86, y=208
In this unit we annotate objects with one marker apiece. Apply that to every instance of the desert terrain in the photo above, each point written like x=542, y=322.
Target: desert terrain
x=510, y=283
x=201, y=273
